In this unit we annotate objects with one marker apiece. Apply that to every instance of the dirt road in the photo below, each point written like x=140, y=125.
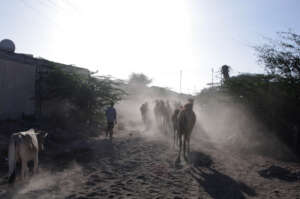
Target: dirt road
x=133, y=165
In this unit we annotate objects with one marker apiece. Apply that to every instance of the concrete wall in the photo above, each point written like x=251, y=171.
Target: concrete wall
x=19, y=74
x=17, y=89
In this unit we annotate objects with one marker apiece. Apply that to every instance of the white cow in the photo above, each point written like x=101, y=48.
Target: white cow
x=23, y=147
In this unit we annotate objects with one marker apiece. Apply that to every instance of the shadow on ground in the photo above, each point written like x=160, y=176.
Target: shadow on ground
x=279, y=173
x=82, y=152
x=216, y=184
x=199, y=159
x=58, y=178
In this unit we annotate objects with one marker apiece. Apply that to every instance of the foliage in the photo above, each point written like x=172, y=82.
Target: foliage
x=88, y=95
x=210, y=95
x=273, y=100
x=139, y=79
x=282, y=57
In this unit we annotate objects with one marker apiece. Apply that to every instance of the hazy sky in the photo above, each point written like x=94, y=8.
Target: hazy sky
x=155, y=37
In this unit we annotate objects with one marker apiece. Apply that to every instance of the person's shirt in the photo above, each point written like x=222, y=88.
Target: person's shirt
x=111, y=114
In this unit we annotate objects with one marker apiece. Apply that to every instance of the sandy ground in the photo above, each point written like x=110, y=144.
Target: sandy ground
x=133, y=165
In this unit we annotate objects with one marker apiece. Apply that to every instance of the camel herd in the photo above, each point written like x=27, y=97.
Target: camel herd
x=180, y=121
x=24, y=146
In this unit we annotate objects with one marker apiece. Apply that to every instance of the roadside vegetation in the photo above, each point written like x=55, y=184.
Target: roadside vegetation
x=272, y=98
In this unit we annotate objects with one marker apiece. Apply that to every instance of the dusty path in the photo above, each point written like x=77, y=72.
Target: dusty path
x=137, y=166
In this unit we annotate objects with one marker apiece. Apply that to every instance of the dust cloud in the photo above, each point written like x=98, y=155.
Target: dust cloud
x=48, y=184
x=222, y=129
x=129, y=114
x=226, y=125
x=231, y=126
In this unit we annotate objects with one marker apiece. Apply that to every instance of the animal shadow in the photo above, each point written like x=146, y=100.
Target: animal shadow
x=279, y=173
x=199, y=159
x=216, y=184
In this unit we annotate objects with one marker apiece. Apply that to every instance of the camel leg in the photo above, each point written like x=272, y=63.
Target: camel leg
x=36, y=162
x=180, y=148
x=174, y=133
x=23, y=168
x=188, y=147
x=177, y=140
x=185, y=147
x=26, y=170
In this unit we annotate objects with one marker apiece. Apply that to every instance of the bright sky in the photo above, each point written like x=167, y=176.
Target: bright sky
x=155, y=37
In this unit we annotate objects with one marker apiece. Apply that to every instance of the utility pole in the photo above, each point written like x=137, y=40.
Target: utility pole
x=212, y=84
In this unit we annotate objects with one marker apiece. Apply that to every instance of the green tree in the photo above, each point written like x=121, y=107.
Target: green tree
x=88, y=95
x=282, y=57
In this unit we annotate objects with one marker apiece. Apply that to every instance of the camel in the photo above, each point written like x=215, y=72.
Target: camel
x=175, y=125
x=144, y=112
x=168, y=114
x=157, y=111
x=23, y=147
x=174, y=119
x=164, y=116
x=186, y=121
x=163, y=112
x=145, y=115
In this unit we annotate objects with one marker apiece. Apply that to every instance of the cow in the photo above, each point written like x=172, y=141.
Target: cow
x=24, y=147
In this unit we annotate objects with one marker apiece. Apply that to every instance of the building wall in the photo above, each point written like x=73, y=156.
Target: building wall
x=17, y=89
x=21, y=78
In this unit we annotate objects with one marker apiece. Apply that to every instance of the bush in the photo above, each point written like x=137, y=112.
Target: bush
x=85, y=95
x=273, y=100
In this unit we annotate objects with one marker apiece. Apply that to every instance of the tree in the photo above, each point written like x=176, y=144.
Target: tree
x=88, y=95
x=282, y=57
x=139, y=79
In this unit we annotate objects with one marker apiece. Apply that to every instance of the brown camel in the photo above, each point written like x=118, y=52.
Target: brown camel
x=186, y=122
x=144, y=112
x=175, y=126
x=145, y=115
x=162, y=114
x=157, y=112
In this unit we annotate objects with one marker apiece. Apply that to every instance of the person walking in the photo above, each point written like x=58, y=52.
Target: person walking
x=111, y=118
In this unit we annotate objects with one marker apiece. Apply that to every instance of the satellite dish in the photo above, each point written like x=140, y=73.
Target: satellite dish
x=7, y=45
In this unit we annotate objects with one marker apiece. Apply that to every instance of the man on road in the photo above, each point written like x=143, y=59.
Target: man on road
x=111, y=117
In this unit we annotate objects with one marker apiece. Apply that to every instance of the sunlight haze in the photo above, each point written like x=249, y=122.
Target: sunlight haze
x=157, y=38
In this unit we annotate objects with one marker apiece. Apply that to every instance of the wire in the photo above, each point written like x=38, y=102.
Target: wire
x=40, y=14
